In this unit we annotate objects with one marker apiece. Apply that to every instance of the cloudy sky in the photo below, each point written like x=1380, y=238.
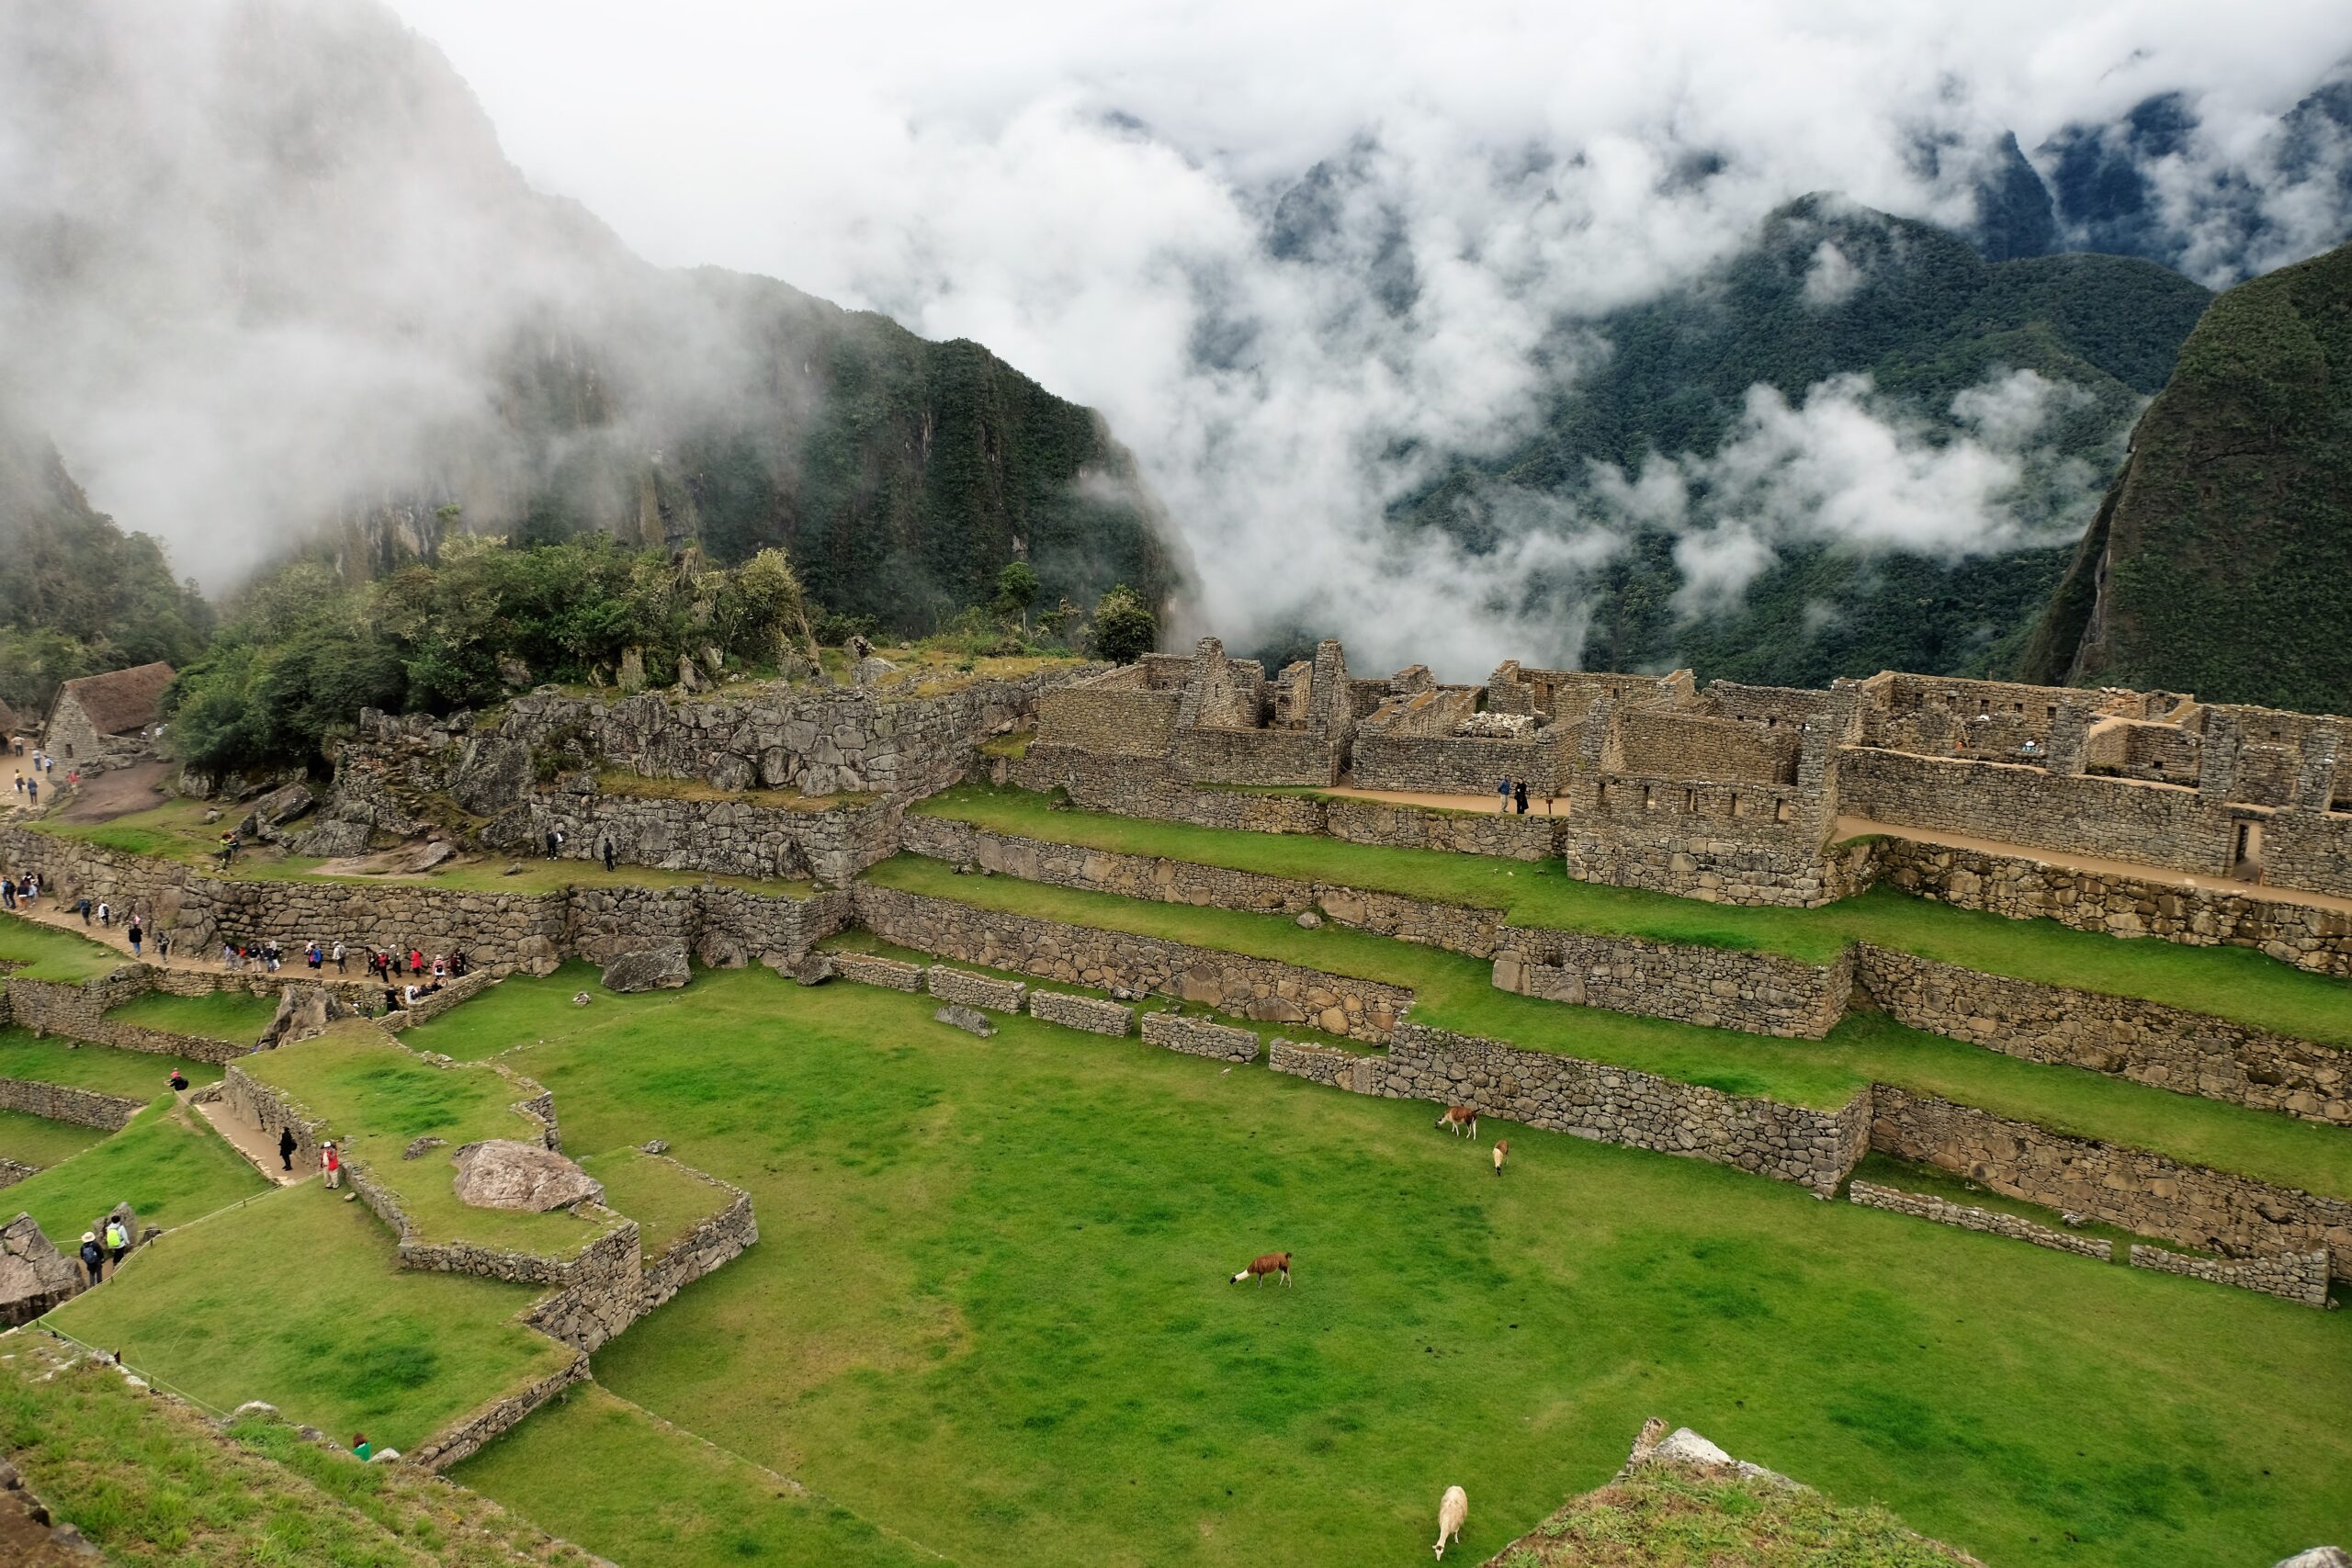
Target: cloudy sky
x=1085, y=188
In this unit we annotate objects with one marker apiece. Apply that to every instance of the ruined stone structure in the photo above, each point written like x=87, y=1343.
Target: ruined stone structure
x=106, y=721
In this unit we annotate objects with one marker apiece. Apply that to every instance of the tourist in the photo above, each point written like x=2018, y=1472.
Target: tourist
x=459, y=965
x=285, y=1149
x=315, y=955
x=137, y=934
x=338, y=957
x=1502, y=789
x=551, y=841
x=118, y=1242
x=94, y=1257
x=82, y=908
x=440, y=969
x=32, y=792
x=163, y=946
x=7, y=892
x=106, y=913
x=608, y=854
x=229, y=957
x=392, y=1000
x=179, y=1081
x=331, y=1163
x=272, y=955
x=408, y=994
x=1518, y=793
x=360, y=1447
x=416, y=961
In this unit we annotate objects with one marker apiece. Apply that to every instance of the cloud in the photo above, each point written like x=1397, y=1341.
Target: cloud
x=1831, y=277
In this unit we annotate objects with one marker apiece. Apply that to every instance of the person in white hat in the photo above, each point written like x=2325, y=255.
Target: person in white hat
x=332, y=1163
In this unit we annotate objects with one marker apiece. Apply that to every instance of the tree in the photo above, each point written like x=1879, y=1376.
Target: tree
x=1124, y=628
x=1016, y=589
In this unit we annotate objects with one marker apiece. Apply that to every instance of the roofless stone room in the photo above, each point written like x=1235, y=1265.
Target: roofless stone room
x=886, y=788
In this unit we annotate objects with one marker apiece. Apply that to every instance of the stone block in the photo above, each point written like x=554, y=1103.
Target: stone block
x=1200, y=1037
x=962, y=986
x=971, y=1019
x=1090, y=1013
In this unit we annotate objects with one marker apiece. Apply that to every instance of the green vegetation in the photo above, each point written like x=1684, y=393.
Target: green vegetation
x=108, y=1069
x=1124, y=628
x=2237, y=983
x=1934, y=1181
x=1669, y=1516
x=37, y=1141
x=216, y=1015
x=296, y=1298
x=45, y=953
x=512, y=1013
x=377, y=1096
x=151, y=1481
x=1454, y=992
x=2221, y=561
x=168, y=1165
x=1024, y=1348
x=666, y=1201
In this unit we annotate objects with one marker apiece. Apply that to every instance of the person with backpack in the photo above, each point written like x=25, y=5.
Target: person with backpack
x=94, y=1257
x=137, y=933
x=1518, y=793
x=118, y=1241
x=1502, y=791
x=338, y=957
x=285, y=1149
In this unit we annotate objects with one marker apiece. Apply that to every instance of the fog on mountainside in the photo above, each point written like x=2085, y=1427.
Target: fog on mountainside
x=268, y=279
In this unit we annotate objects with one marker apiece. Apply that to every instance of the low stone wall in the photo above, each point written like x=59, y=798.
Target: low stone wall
x=1967, y=1216
x=1135, y=787
x=865, y=969
x=717, y=1239
x=1326, y=1064
x=2300, y=1277
x=2129, y=1188
x=1757, y=993
x=975, y=990
x=474, y=1431
x=2214, y=914
x=1507, y=835
x=60, y=1102
x=2188, y=1053
x=1785, y=871
x=13, y=1171
x=600, y=1290
x=1199, y=1037
x=1619, y=1105
x=434, y=1005
x=78, y=1012
x=1232, y=983
x=1090, y=1013
x=734, y=837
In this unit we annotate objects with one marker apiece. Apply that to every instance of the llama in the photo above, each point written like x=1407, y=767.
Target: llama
x=1271, y=1263
x=1452, y=1513
x=1460, y=1120
x=1502, y=1153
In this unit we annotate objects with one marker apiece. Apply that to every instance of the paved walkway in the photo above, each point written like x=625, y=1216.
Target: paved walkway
x=251, y=1142
x=1537, y=805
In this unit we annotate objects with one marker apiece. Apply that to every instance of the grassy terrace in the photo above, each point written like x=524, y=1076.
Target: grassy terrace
x=666, y=1202
x=219, y=1015
x=1454, y=992
x=296, y=1299
x=168, y=1165
x=36, y=1140
x=2234, y=983
x=377, y=1096
x=44, y=953
x=1023, y=1349
x=108, y=1069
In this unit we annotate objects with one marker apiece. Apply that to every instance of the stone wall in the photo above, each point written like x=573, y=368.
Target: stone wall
x=61, y=1102
x=1708, y=852
x=1506, y=835
x=1620, y=1105
x=1199, y=1037
x=2300, y=1277
x=2222, y=914
x=1461, y=764
x=1090, y=1013
x=475, y=1430
x=1682, y=744
x=868, y=969
x=2129, y=1188
x=1114, y=961
x=13, y=1171
x=2126, y=820
x=1967, y=1216
x=2188, y=1053
x=975, y=990
x=733, y=837
x=600, y=1290
x=1326, y=1064
x=1150, y=788
x=2309, y=850
x=715, y=1240
x=1755, y=992
x=78, y=1012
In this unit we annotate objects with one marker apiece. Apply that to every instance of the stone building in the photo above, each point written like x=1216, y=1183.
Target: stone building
x=109, y=720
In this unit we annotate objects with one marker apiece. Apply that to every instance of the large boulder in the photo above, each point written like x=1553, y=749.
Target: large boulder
x=34, y=1275
x=277, y=808
x=2320, y=1557
x=491, y=774
x=506, y=1173
x=648, y=969
x=331, y=839
x=303, y=1011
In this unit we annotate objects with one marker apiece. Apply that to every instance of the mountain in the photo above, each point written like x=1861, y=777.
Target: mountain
x=273, y=284
x=1895, y=328
x=78, y=596
x=2220, y=562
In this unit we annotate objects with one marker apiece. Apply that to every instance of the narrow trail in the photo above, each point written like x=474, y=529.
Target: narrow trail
x=249, y=1141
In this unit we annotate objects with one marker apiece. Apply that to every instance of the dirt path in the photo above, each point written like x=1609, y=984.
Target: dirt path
x=249, y=1141
x=117, y=791
x=1537, y=805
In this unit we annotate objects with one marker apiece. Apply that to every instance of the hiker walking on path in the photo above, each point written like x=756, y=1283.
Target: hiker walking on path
x=285, y=1149
x=117, y=1243
x=338, y=957
x=137, y=934
x=1519, y=795
x=93, y=1256
x=1503, y=792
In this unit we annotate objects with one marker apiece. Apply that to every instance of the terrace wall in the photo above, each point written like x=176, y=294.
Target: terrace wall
x=78, y=1012
x=62, y=1103
x=2228, y=914
x=1706, y=851
x=2299, y=1277
x=733, y=837
x=1757, y=993
x=716, y=1240
x=1199, y=1037
x=1115, y=961
x=1326, y=1064
x=2130, y=1187
x=2189, y=1053
x=1967, y=1216
x=476, y=1429
x=1092, y=1014
x=1461, y=764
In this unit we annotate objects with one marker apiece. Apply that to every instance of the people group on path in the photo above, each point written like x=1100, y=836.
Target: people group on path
x=1511, y=794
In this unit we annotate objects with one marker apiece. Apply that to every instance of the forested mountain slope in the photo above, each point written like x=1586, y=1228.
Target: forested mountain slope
x=2220, y=562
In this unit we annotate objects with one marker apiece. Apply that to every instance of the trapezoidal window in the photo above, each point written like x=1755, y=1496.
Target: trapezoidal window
x=1784, y=812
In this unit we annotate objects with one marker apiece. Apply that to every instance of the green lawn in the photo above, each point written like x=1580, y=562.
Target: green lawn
x=1454, y=992
x=36, y=1140
x=110, y=1069
x=666, y=1202
x=514, y=1012
x=168, y=1165
x=377, y=1096
x=988, y=1312
x=296, y=1299
x=2229, y=982
x=219, y=1015
x=45, y=953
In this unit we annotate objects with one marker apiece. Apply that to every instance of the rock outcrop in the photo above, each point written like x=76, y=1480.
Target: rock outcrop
x=504, y=1173
x=648, y=969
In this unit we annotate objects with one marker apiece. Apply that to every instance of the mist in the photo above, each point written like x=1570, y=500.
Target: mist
x=1298, y=259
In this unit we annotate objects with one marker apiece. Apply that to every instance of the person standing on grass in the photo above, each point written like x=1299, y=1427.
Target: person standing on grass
x=137, y=934
x=331, y=1163
x=551, y=842
x=608, y=854
x=286, y=1149
x=1502, y=790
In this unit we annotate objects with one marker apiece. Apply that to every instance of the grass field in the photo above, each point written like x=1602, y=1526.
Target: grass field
x=2229, y=982
x=168, y=1165
x=665, y=1201
x=377, y=1096
x=988, y=1312
x=295, y=1298
x=110, y=1069
x=44, y=953
x=1454, y=992
x=219, y=1015
x=36, y=1140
